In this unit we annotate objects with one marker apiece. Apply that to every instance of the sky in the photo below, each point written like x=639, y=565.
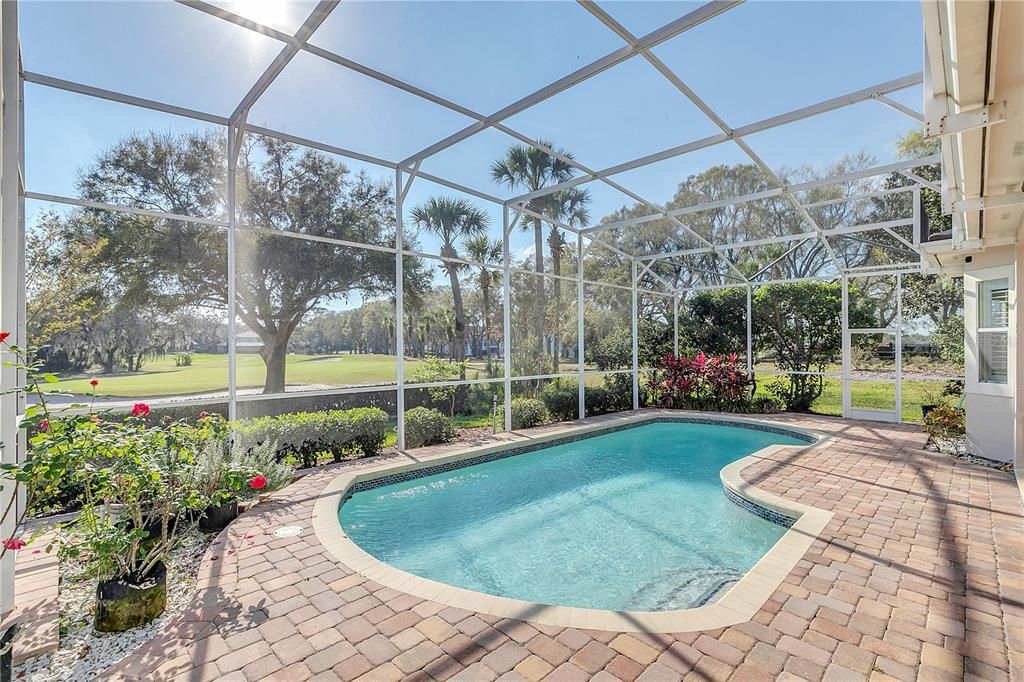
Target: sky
x=758, y=60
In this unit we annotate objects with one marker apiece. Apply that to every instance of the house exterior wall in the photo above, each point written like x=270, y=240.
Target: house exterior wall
x=993, y=422
x=1018, y=450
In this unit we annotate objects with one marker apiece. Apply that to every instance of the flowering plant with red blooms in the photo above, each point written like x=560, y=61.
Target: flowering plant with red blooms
x=258, y=482
x=14, y=543
x=701, y=382
x=82, y=462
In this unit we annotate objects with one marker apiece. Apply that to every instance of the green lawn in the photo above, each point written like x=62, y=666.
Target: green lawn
x=874, y=394
x=209, y=372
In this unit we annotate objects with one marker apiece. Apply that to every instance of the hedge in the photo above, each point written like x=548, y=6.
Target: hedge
x=427, y=426
x=527, y=412
x=307, y=434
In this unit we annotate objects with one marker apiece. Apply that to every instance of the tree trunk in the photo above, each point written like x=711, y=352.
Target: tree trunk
x=108, y=361
x=460, y=322
x=538, y=256
x=274, y=354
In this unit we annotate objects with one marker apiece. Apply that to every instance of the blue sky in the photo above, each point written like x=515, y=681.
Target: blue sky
x=760, y=59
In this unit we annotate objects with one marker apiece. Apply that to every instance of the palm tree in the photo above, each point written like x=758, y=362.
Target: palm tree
x=531, y=169
x=485, y=251
x=568, y=206
x=452, y=219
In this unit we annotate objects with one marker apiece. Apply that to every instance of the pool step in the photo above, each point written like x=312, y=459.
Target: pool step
x=685, y=588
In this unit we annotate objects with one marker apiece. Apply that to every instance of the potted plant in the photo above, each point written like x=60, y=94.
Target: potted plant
x=224, y=475
x=134, y=482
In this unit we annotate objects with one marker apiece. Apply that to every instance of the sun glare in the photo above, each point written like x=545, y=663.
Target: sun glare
x=267, y=12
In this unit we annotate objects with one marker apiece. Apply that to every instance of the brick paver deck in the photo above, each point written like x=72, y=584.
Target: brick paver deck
x=919, y=575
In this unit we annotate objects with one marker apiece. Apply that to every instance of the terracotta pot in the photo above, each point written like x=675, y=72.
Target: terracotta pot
x=132, y=601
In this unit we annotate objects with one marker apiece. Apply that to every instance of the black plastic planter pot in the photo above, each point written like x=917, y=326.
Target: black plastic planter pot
x=131, y=602
x=155, y=527
x=217, y=518
x=925, y=409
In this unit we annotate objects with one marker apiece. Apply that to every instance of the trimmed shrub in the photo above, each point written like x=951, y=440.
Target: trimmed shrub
x=305, y=435
x=767, y=404
x=561, y=398
x=427, y=426
x=527, y=412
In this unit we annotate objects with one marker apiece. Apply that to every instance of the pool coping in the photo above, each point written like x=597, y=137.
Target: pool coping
x=738, y=605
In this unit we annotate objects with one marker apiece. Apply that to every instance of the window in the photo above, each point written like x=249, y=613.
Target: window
x=993, y=330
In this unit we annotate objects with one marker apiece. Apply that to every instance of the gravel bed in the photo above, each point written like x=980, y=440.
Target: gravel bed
x=84, y=653
x=957, y=449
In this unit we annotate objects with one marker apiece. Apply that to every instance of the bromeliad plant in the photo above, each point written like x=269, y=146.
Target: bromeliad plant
x=702, y=382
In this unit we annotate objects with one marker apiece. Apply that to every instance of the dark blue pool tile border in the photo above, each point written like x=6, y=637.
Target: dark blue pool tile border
x=754, y=508
x=403, y=476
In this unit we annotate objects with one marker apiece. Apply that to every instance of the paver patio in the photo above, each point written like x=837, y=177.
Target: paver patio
x=919, y=575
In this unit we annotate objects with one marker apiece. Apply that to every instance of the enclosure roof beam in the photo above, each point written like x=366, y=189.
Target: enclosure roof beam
x=117, y=208
x=788, y=252
x=743, y=131
x=419, y=92
x=313, y=144
x=322, y=10
x=796, y=187
x=652, y=39
x=847, y=229
x=905, y=110
x=917, y=179
x=121, y=98
x=866, y=271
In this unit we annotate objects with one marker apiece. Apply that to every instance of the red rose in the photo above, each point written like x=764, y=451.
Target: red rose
x=3, y=336
x=94, y=383
x=44, y=425
x=140, y=410
x=258, y=482
x=14, y=543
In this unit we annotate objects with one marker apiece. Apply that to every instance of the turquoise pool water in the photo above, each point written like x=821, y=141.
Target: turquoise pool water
x=631, y=520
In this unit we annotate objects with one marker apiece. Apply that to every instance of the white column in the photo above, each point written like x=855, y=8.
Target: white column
x=636, y=343
x=899, y=348
x=581, y=389
x=750, y=329
x=846, y=359
x=399, y=312
x=12, y=288
x=507, y=312
x=234, y=138
x=675, y=325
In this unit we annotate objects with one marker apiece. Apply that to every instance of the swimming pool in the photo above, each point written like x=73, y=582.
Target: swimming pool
x=632, y=520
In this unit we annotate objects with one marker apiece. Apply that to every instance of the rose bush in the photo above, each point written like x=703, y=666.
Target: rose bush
x=140, y=486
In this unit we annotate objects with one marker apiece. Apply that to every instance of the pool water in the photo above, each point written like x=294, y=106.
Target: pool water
x=631, y=520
